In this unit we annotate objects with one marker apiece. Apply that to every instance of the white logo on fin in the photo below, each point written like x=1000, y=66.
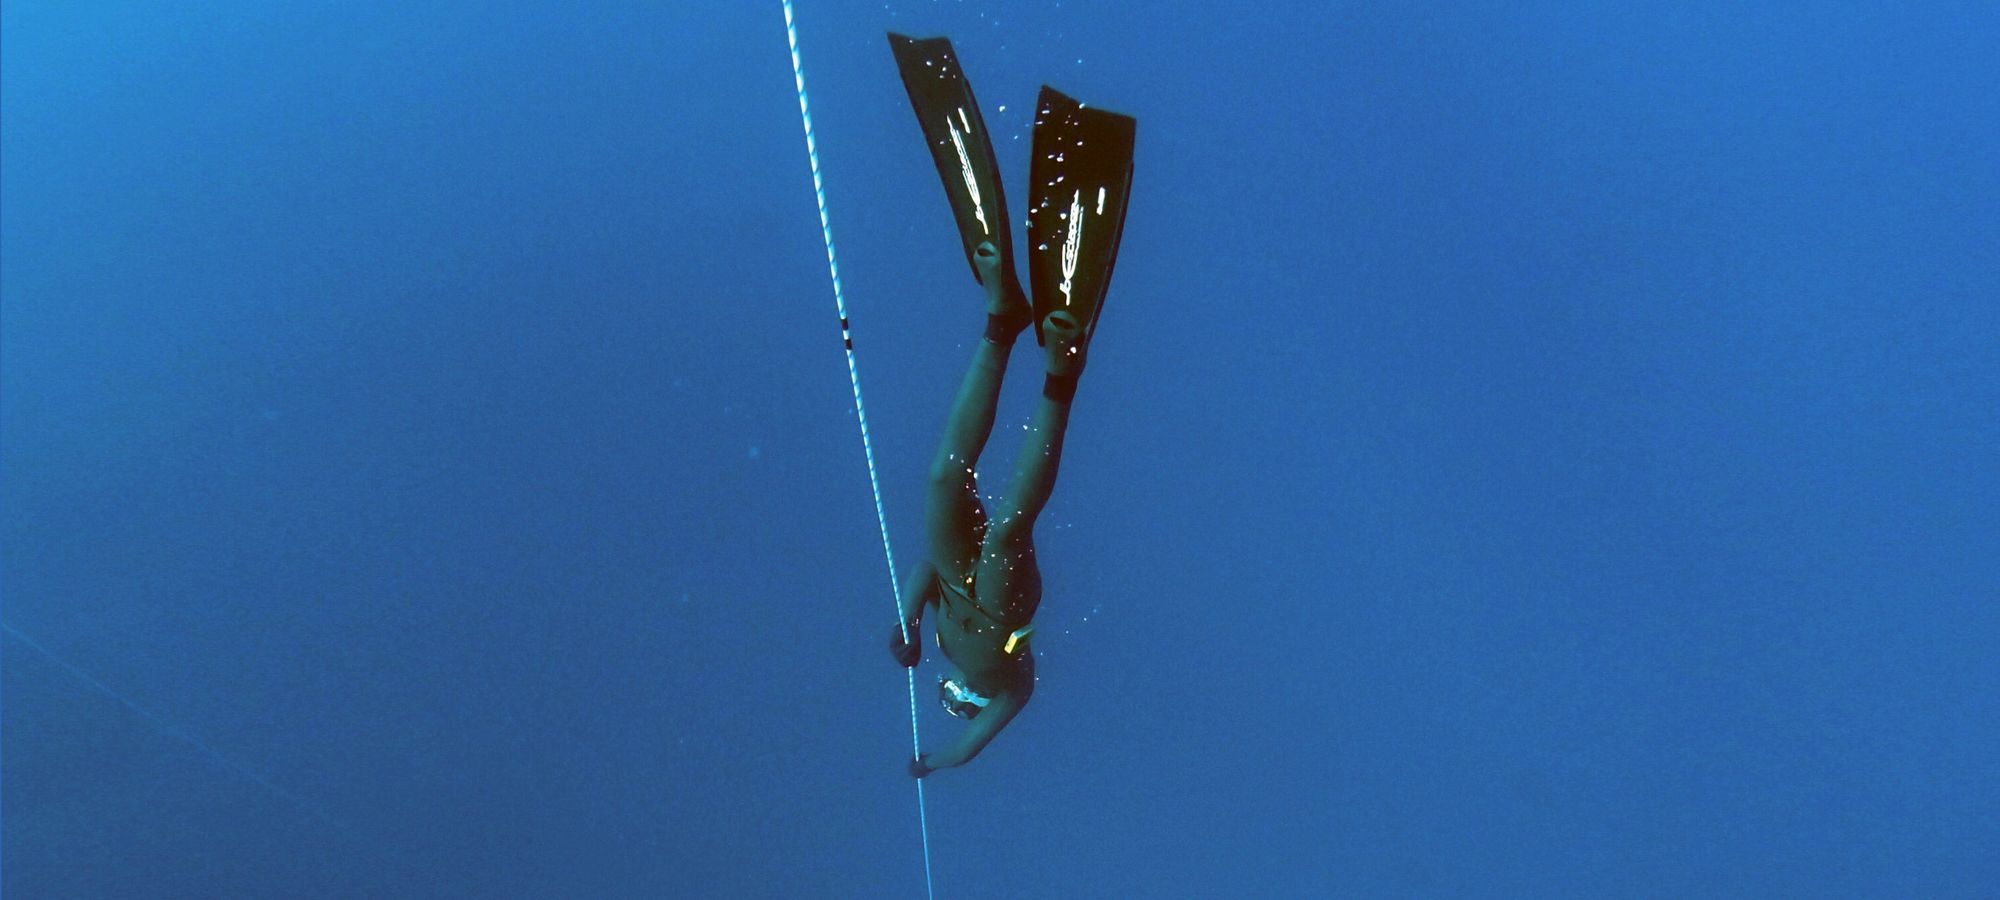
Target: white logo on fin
x=965, y=168
x=1071, y=242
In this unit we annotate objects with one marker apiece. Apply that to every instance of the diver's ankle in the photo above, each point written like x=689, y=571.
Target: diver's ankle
x=1060, y=388
x=1065, y=360
x=1004, y=296
x=1001, y=330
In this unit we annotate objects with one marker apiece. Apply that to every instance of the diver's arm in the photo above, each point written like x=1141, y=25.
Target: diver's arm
x=905, y=642
x=920, y=590
x=980, y=731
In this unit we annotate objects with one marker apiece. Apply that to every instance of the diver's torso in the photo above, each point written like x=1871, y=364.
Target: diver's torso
x=974, y=638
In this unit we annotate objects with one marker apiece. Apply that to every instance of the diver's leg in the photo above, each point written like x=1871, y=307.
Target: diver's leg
x=953, y=517
x=1035, y=468
x=1007, y=566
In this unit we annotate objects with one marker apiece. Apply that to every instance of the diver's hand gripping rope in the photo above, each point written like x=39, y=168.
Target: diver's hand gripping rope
x=860, y=412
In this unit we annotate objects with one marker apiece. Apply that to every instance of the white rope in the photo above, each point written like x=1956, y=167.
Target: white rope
x=860, y=415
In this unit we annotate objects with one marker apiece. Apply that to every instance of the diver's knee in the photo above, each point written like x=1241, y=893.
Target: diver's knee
x=950, y=472
x=1011, y=533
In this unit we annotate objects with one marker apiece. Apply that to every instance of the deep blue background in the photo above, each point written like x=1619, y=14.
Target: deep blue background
x=1530, y=450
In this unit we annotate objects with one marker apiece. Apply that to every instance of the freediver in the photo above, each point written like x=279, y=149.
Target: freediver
x=981, y=575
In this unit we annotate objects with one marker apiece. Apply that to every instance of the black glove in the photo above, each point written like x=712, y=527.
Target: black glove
x=917, y=767
x=907, y=653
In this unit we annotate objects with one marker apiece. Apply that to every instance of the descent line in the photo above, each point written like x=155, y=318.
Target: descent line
x=861, y=416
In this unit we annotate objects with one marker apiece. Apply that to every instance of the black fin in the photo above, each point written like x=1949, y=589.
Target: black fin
x=1083, y=168
x=956, y=133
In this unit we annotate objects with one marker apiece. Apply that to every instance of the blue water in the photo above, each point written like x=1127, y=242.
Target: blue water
x=1530, y=450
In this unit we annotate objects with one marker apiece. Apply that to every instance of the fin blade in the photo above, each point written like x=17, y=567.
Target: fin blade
x=1080, y=184
x=956, y=133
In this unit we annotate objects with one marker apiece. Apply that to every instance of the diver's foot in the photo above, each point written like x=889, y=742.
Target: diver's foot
x=1062, y=334
x=1006, y=305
